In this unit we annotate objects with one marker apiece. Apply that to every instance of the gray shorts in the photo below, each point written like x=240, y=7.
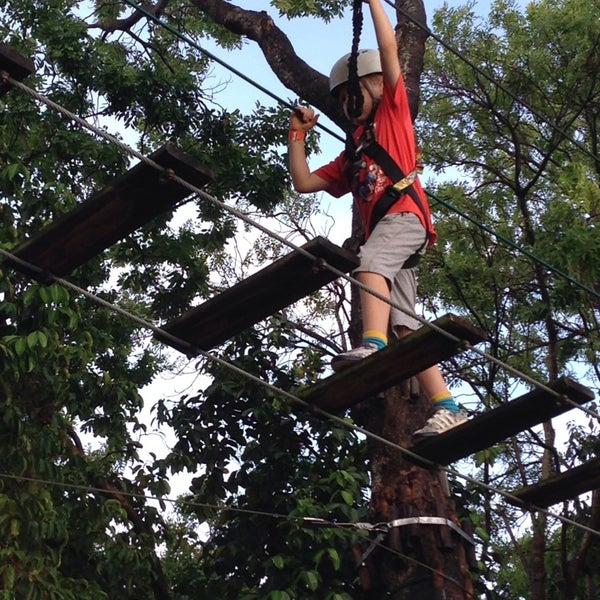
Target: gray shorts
x=396, y=237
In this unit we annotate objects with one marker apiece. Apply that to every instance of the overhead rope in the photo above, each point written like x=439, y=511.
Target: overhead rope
x=269, y=232
x=433, y=196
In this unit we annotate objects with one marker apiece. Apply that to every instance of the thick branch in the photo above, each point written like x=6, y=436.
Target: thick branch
x=290, y=69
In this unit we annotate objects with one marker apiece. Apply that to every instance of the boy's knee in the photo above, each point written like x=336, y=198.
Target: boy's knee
x=402, y=330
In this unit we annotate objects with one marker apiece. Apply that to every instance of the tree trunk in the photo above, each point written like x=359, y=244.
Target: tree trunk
x=428, y=562
x=415, y=560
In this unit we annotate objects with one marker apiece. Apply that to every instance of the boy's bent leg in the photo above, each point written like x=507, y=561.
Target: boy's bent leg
x=376, y=314
x=396, y=237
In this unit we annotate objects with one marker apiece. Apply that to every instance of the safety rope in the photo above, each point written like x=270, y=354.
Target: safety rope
x=355, y=99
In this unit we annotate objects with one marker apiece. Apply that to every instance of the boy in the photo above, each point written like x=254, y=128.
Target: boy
x=395, y=242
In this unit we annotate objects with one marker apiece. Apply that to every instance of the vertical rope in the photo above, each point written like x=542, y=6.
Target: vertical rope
x=355, y=97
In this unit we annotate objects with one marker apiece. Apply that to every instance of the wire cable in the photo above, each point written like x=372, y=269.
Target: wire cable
x=295, y=399
x=269, y=232
x=221, y=62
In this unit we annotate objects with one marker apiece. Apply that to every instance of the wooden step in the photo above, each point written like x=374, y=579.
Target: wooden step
x=498, y=424
x=562, y=486
x=401, y=360
x=263, y=294
x=126, y=204
x=17, y=66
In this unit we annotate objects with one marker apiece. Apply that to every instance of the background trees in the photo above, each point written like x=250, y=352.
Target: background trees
x=72, y=371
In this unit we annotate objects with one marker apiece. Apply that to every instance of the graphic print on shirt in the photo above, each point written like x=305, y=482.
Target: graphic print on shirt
x=372, y=181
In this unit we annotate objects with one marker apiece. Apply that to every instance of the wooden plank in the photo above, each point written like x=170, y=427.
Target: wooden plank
x=131, y=200
x=259, y=296
x=17, y=66
x=562, y=486
x=498, y=424
x=401, y=360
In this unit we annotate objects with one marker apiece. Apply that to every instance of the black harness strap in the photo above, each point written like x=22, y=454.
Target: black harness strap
x=391, y=195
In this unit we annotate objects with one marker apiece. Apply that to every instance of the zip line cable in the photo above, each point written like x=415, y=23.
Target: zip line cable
x=185, y=344
x=269, y=232
x=477, y=222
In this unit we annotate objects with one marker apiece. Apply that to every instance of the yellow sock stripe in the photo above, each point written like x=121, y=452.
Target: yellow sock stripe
x=373, y=333
x=441, y=396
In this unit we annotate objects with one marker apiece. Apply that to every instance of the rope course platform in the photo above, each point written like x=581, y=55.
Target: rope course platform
x=498, y=424
x=262, y=294
x=562, y=486
x=401, y=360
x=131, y=200
x=17, y=66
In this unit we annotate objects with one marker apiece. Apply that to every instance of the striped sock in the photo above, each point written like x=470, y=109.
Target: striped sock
x=445, y=400
x=372, y=336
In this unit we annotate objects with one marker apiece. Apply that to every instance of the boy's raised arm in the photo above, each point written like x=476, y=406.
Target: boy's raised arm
x=386, y=40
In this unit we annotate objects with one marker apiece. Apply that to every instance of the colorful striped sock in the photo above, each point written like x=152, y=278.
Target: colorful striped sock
x=445, y=400
x=372, y=336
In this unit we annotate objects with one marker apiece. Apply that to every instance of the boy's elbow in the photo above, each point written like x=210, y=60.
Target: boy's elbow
x=301, y=188
x=308, y=185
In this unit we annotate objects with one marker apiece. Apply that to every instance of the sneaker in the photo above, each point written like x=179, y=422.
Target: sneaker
x=441, y=420
x=344, y=360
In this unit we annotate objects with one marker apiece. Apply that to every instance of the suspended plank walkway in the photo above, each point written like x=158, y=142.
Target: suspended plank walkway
x=17, y=66
x=263, y=294
x=562, y=486
x=401, y=360
x=143, y=193
x=498, y=424
x=126, y=204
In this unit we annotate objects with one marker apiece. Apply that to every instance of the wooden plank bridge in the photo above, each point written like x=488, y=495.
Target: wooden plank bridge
x=143, y=192
x=15, y=65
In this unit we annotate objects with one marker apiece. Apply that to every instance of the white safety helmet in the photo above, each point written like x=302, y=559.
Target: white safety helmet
x=368, y=62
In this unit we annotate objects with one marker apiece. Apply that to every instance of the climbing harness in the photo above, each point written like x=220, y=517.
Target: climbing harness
x=403, y=183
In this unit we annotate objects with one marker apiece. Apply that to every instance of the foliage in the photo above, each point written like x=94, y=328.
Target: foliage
x=72, y=370
x=514, y=141
x=73, y=515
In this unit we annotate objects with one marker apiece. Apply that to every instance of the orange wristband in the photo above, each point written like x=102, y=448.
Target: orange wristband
x=296, y=135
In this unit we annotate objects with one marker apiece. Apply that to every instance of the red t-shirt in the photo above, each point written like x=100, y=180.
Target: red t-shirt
x=394, y=131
